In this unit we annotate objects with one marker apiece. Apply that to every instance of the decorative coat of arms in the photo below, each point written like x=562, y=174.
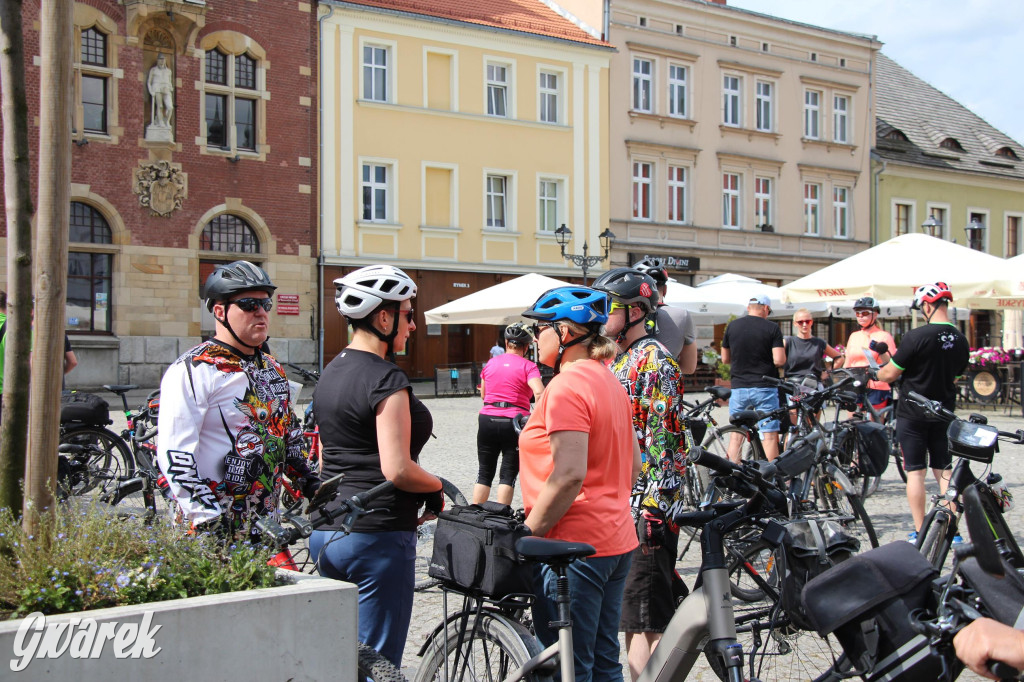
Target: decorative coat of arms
x=160, y=187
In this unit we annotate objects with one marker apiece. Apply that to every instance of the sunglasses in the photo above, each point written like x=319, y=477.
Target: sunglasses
x=410, y=314
x=805, y=321
x=863, y=313
x=616, y=306
x=250, y=305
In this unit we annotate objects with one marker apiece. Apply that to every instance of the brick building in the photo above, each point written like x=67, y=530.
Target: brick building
x=161, y=194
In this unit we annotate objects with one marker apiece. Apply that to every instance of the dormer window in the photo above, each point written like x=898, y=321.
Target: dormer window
x=951, y=144
x=896, y=136
x=1007, y=153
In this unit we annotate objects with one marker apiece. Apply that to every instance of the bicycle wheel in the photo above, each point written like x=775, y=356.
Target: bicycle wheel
x=848, y=453
x=106, y=461
x=936, y=536
x=374, y=667
x=132, y=503
x=835, y=502
x=425, y=538
x=498, y=647
x=747, y=559
x=717, y=441
x=888, y=417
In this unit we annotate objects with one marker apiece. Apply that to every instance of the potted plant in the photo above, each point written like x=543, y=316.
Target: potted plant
x=711, y=358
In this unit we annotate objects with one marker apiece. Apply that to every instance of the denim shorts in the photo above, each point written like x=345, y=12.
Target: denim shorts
x=762, y=399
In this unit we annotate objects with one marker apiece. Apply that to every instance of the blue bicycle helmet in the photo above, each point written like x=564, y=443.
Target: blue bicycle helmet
x=581, y=305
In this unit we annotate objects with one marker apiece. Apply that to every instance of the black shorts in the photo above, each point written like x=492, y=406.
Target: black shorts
x=496, y=436
x=648, y=603
x=923, y=443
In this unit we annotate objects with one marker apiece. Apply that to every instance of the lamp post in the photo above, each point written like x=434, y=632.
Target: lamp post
x=562, y=235
x=975, y=231
x=932, y=227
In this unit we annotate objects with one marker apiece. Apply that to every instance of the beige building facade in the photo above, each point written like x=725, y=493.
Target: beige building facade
x=739, y=142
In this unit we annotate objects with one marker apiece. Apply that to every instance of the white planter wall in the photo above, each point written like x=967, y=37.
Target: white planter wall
x=303, y=631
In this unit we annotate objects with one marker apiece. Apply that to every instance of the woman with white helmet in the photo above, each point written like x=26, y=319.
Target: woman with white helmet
x=372, y=429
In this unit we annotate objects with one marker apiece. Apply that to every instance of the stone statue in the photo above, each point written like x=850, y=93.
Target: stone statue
x=161, y=90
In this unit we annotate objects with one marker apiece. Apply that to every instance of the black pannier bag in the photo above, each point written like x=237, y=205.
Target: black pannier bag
x=866, y=602
x=873, y=447
x=475, y=550
x=798, y=458
x=810, y=547
x=84, y=408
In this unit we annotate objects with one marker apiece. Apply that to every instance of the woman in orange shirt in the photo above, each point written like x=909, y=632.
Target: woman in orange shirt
x=578, y=461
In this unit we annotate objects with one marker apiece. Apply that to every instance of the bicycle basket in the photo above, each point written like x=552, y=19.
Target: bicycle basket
x=474, y=551
x=811, y=547
x=866, y=602
x=973, y=441
x=873, y=448
x=84, y=408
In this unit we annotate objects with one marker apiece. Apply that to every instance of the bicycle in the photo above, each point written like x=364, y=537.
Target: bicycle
x=101, y=460
x=490, y=639
x=886, y=416
x=969, y=440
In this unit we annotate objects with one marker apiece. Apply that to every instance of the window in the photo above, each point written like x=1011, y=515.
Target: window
x=731, y=101
x=764, y=106
x=90, y=279
x=976, y=238
x=642, y=178
x=939, y=214
x=677, y=90
x=497, y=201
x=642, y=74
x=902, y=216
x=231, y=98
x=1007, y=153
x=812, y=201
x=375, y=73
x=952, y=144
x=676, y=194
x=95, y=79
x=497, y=90
x=841, y=211
x=812, y=104
x=762, y=202
x=730, y=200
x=548, y=196
x=840, y=119
x=228, y=232
x=375, y=193
x=549, y=97
x=1012, y=236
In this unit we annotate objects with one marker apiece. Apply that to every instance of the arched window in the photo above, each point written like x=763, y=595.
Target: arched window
x=228, y=232
x=88, y=306
x=952, y=144
x=1007, y=153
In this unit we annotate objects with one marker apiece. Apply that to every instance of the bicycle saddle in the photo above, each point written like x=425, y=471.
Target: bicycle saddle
x=748, y=418
x=719, y=392
x=550, y=551
x=120, y=388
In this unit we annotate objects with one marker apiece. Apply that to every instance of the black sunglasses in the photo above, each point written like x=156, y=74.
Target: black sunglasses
x=251, y=304
x=410, y=315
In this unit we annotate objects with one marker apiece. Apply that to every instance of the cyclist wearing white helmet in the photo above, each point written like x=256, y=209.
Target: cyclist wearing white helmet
x=865, y=342
x=507, y=382
x=372, y=429
x=929, y=360
x=226, y=434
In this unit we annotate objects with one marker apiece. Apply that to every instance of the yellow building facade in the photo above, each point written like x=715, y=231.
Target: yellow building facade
x=453, y=149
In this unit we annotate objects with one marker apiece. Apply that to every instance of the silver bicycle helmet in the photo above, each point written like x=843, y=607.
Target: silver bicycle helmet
x=361, y=291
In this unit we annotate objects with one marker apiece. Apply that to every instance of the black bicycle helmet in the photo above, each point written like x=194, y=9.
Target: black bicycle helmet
x=866, y=303
x=629, y=287
x=655, y=268
x=227, y=280
x=519, y=333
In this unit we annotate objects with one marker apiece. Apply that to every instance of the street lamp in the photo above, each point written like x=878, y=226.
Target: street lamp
x=975, y=239
x=932, y=227
x=562, y=235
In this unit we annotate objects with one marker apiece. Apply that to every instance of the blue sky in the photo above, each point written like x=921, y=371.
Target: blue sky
x=972, y=50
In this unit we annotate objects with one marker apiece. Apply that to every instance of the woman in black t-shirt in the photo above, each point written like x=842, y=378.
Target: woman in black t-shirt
x=372, y=429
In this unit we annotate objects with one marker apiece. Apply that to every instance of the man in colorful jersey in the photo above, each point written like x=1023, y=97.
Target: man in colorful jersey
x=651, y=377
x=928, y=362
x=226, y=434
x=863, y=343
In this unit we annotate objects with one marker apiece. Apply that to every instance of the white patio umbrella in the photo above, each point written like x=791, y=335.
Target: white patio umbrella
x=696, y=302
x=739, y=289
x=893, y=269
x=499, y=304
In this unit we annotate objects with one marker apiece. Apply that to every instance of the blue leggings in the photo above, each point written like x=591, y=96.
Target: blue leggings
x=383, y=566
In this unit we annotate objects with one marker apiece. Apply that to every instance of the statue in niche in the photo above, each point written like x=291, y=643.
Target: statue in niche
x=160, y=186
x=161, y=91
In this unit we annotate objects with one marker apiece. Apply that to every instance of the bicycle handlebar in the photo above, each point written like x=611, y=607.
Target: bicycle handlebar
x=305, y=373
x=747, y=478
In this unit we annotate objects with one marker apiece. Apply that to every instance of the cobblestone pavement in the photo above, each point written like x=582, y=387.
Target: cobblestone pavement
x=452, y=454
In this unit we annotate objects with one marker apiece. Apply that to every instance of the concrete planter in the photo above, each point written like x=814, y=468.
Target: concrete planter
x=305, y=630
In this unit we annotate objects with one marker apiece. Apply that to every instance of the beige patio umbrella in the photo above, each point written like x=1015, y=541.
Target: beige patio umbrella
x=500, y=304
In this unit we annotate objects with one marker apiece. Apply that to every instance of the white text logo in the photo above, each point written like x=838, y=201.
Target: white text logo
x=82, y=638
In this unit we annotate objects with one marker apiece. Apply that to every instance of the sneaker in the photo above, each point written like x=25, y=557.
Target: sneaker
x=912, y=537
x=957, y=540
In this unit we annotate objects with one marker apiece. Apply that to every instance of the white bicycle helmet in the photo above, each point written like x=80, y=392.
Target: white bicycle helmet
x=361, y=291
x=932, y=293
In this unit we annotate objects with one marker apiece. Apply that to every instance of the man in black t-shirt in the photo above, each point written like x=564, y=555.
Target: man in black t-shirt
x=928, y=362
x=753, y=346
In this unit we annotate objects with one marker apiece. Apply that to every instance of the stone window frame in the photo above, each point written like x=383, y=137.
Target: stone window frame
x=846, y=207
x=812, y=113
x=561, y=182
x=675, y=187
x=765, y=199
x=637, y=182
x=675, y=84
x=642, y=79
x=735, y=94
x=83, y=194
x=732, y=195
x=85, y=18
x=809, y=203
x=764, y=102
x=558, y=92
x=233, y=44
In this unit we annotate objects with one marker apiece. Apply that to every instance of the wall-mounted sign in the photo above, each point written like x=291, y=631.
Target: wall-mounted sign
x=677, y=263
x=460, y=285
x=287, y=298
x=287, y=304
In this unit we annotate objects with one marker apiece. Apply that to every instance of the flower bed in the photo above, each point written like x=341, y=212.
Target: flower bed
x=991, y=356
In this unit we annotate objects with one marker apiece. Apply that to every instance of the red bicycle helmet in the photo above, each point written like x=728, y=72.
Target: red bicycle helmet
x=932, y=293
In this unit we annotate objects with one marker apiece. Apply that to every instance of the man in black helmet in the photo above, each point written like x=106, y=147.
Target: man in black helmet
x=226, y=433
x=673, y=326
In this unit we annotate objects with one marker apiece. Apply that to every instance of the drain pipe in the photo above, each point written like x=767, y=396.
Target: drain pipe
x=320, y=188
x=874, y=197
